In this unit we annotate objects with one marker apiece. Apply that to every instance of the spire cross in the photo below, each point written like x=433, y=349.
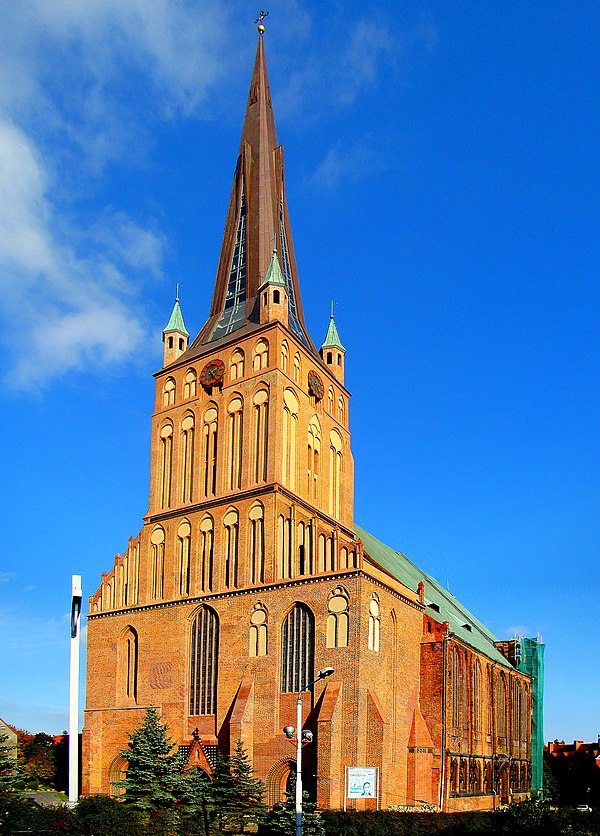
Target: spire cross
x=262, y=15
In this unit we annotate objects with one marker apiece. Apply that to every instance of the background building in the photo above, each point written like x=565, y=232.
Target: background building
x=250, y=574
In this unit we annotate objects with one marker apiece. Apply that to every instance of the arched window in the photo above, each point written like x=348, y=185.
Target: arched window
x=183, y=536
x=290, y=423
x=314, y=453
x=209, y=436
x=258, y=630
x=374, y=625
x=285, y=546
x=335, y=472
x=297, y=367
x=166, y=464
x=341, y=411
x=231, y=522
x=117, y=772
x=501, y=728
x=187, y=458
x=261, y=355
x=235, y=422
x=169, y=392
x=456, y=675
x=321, y=567
x=284, y=356
x=189, y=386
x=330, y=400
x=204, y=662
x=157, y=569
x=257, y=544
x=344, y=558
x=206, y=554
x=297, y=649
x=236, y=365
x=128, y=664
x=337, y=620
x=261, y=428
x=304, y=544
x=476, y=697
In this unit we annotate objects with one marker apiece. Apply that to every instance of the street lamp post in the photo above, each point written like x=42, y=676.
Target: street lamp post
x=302, y=737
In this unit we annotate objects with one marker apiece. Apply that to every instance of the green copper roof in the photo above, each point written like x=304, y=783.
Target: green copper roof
x=332, y=338
x=274, y=274
x=440, y=604
x=176, y=323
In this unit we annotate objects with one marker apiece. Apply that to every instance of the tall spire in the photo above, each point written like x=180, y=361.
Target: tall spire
x=257, y=217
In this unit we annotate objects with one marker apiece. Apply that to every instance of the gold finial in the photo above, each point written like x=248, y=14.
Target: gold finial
x=262, y=15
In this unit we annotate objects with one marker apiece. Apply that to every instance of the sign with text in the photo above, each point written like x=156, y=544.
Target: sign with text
x=362, y=782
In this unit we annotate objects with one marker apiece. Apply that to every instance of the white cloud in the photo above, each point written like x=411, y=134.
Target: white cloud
x=79, y=83
x=351, y=161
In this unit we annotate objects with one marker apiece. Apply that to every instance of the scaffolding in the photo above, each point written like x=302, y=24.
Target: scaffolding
x=531, y=662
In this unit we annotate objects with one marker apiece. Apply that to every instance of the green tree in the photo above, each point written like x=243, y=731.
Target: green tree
x=9, y=768
x=281, y=819
x=197, y=803
x=154, y=779
x=38, y=761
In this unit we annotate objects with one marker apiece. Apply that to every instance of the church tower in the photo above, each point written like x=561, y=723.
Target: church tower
x=250, y=575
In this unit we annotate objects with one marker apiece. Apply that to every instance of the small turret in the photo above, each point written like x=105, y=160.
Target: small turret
x=273, y=295
x=175, y=336
x=332, y=351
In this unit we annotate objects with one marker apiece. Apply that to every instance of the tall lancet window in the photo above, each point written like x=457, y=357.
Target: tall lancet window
x=206, y=554
x=290, y=424
x=157, y=568
x=297, y=367
x=374, y=624
x=236, y=364
x=128, y=664
x=335, y=472
x=304, y=546
x=261, y=428
x=231, y=522
x=235, y=427
x=285, y=546
x=258, y=630
x=166, y=464
x=257, y=544
x=297, y=649
x=204, y=662
x=187, y=458
x=284, y=356
x=314, y=453
x=209, y=441
x=183, y=539
x=234, y=310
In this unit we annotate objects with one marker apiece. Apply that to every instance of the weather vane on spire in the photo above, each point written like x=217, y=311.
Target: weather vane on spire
x=333, y=304
x=262, y=15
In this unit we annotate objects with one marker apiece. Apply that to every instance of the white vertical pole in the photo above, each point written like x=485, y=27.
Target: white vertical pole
x=299, y=765
x=74, y=691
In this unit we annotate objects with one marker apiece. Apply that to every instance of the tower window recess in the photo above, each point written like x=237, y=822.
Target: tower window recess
x=204, y=662
x=258, y=631
x=169, y=392
x=166, y=464
x=129, y=664
x=261, y=355
x=210, y=436
x=257, y=544
x=187, y=458
x=190, y=384
x=157, y=569
x=231, y=522
x=206, y=554
x=236, y=365
x=184, y=535
x=276, y=297
x=235, y=421
x=337, y=620
x=261, y=428
x=297, y=649
x=374, y=624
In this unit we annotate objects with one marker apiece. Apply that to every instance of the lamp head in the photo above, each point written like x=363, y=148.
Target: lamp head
x=307, y=735
x=325, y=672
x=289, y=732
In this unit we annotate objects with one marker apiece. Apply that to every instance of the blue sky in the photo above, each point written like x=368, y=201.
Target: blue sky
x=443, y=176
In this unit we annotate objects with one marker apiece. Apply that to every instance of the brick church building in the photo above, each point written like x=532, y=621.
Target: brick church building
x=250, y=575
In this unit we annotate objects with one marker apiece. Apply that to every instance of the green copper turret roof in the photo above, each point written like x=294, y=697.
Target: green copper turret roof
x=332, y=338
x=175, y=322
x=274, y=274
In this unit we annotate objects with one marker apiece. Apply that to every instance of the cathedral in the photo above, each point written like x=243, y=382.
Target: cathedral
x=250, y=576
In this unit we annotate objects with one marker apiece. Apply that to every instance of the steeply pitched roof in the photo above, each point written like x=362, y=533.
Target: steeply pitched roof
x=257, y=218
x=332, y=338
x=175, y=322
x=440, y=603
